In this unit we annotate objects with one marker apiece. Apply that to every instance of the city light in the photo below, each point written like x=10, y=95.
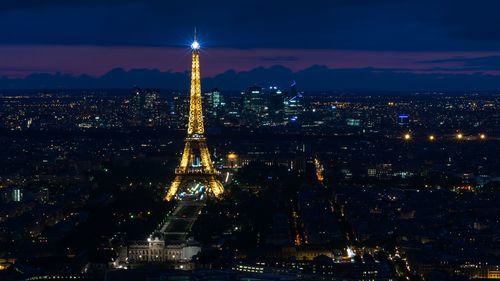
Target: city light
x=407, y=136
x=460, y=136
x=432, y=137
x=482, y=136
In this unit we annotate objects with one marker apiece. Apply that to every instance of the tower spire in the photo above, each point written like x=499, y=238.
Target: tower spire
x=195, y=46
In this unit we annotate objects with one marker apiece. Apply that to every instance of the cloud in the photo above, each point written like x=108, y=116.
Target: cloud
x=279, y=58
x=485, y=63
x=314, y=78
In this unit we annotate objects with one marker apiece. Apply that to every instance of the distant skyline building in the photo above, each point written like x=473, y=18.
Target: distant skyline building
x=17, y=195
x=293, y=107
x=145, y=107
x=213, y=103
x=403, y=119
x=276, y=104
x=254, y=101
x=353, y=122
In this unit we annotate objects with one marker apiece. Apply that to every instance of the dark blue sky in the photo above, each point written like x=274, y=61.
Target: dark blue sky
x=347, y=24
x=92, y=37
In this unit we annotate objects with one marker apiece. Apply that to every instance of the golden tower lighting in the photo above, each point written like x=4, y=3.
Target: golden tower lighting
x=195, y=164
x=407, y=136
x=482, y=136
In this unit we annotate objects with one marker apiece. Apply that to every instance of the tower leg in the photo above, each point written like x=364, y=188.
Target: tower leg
x=215, y=187
x=205, y=156
x=186, y=156
x=173, y=188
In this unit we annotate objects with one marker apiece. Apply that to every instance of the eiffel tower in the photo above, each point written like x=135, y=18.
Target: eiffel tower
x=196, y=165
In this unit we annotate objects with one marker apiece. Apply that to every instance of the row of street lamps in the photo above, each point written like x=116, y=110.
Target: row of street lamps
x=458, y=136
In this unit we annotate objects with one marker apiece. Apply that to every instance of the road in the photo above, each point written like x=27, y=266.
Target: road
x=179, y=224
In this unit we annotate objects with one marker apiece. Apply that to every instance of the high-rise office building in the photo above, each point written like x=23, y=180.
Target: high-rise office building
x=403, y=119
x=293, y=107
x=254, y=101
x=145, y=109
x=17, y=195
x=276, y=105
x=213, y=103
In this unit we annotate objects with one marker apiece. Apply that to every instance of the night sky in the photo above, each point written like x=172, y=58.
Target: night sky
x=434, y=44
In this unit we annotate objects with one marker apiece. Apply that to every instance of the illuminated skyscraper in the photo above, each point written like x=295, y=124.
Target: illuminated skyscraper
x=145, y=107
x=293, y=104
x=403, y=119
x=17, y=195
x=196, y=167
x=254, y=101
x=213, y=102
x=276, y=104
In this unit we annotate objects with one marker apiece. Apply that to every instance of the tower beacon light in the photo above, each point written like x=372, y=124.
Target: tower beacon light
x=195, y=45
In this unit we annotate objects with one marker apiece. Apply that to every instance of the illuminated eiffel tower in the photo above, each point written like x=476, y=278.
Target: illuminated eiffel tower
x=196, y=165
